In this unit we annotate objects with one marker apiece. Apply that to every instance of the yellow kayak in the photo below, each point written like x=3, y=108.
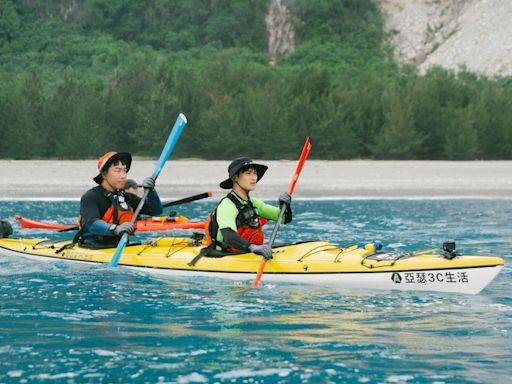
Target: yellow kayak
x=313, y=262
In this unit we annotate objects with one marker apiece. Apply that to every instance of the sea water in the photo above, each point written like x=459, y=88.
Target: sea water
x=68, y=323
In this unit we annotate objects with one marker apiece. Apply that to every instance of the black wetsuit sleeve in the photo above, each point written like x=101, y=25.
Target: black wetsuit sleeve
x=287, y=215
x=234, y=240
x=152, y=206
x=92, y=208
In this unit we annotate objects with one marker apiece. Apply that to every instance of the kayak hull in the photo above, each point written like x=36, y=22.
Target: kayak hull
x=316, y=263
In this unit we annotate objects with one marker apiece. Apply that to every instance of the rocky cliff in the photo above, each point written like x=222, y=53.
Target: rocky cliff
x=475, y=34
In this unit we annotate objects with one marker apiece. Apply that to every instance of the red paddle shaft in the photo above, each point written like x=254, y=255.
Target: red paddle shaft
x=302, y=160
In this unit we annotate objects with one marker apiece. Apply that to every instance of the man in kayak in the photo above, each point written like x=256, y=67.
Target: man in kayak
x=105, y=210
x=235, y=225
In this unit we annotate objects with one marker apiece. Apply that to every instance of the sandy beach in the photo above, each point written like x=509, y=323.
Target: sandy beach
x=49, y=179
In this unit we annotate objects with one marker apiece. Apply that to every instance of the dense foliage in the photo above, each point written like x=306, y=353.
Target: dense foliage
x=80, y=78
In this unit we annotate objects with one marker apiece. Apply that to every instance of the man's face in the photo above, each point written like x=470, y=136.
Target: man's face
x=247, y=179
x=115, y=176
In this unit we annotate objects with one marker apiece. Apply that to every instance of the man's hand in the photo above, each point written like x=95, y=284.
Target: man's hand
x=264, y=250
x=285, y=199
x=128, y=228
x=148, y=183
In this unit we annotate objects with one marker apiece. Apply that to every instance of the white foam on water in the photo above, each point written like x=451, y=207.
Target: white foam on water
x=239, y=373
x=37, y=281
x=198, y=352
x=13, y=374
x=18, y=269
x=92, y=375
x=502, y=307
x=324, y=225
x=80, y=315
x=183, y=354
x=137, y=374
x=104, y=352
x=166, y=366
x=46, y=376
x=399, y=378
x=5, y=349
x=395, y=245
x=387, y=355
x=192, y=378
x=15, y=350
x=64, y=316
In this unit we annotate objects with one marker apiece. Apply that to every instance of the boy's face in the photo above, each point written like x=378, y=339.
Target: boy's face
x=115, y=176
x=247, y=179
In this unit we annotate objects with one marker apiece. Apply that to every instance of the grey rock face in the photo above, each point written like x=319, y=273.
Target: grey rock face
x=475, y=34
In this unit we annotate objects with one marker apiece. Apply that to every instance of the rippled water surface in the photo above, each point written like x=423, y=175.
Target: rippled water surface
x=68, y=323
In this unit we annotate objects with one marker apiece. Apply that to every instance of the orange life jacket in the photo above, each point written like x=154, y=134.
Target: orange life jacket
x=119, y=211
x=253, y=235
x=123, y=215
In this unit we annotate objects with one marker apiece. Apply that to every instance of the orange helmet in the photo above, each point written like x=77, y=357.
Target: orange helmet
x=111, y=157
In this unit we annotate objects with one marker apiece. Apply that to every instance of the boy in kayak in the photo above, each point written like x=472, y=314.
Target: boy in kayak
x=235, y=225
x=105, y=210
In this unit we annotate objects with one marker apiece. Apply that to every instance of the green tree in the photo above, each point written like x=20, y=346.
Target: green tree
x=399, y=138
x=10, y=24
x=493, y=114
x=25, y=132
x=461, y=141
x=75, y=117
x=334, y=135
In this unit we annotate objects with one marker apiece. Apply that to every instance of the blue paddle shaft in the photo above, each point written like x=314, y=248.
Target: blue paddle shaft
x=175, y=134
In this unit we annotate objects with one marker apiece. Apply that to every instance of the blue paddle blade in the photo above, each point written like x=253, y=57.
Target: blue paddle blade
x=175, y=134
x=119, y=251
x=171, y=142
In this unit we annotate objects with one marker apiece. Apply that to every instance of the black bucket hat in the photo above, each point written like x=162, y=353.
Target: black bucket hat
x=241, y=164
x=111, y=157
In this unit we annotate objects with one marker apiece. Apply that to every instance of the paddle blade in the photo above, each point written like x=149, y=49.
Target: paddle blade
x=180, y=123
x=119, y=251
x=260, y=272
x=300, y=164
